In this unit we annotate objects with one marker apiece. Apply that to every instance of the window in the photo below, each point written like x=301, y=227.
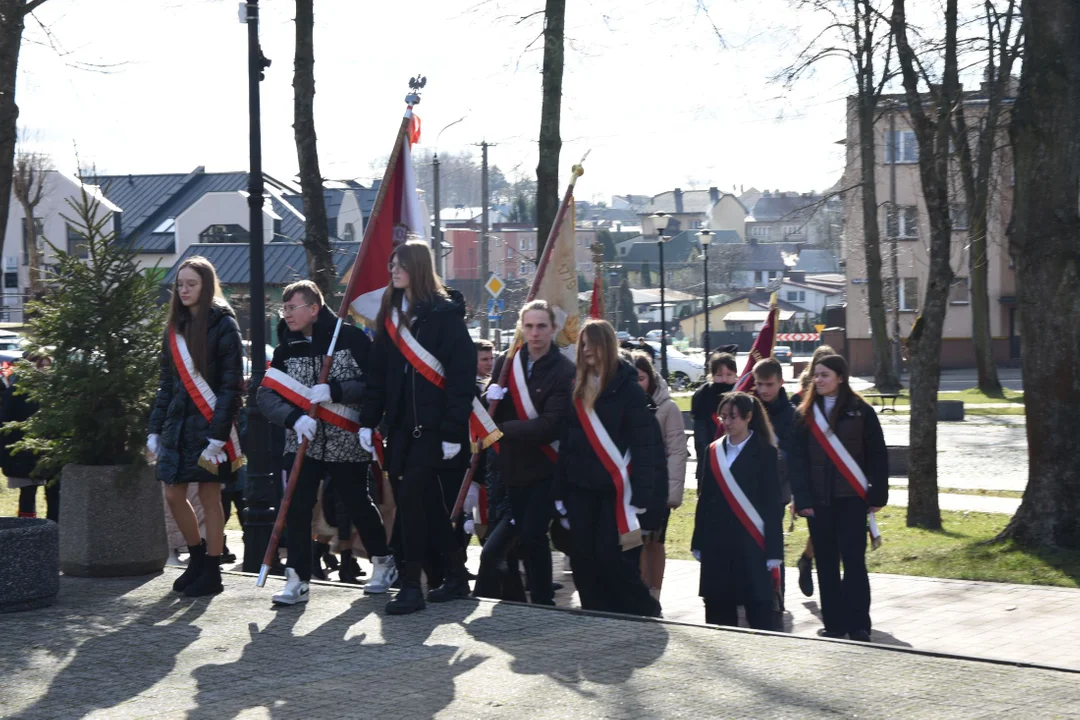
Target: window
x=76, y=243
x=350, y=233
x=760, y=231
x=760, y=276
x=958, y=292
x=224, y=234
x=902, y=221
x=792, y=230
x=796, y=296
x=909, y=294
x=907, y=148
x=959, y=217
x=11, y=281
x=588, y=267
x=773, y=274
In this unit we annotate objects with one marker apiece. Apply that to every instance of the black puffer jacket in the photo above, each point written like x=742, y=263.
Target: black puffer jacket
x=15, y=407
x=412, y=404
x=623, y=409
x=183, y=430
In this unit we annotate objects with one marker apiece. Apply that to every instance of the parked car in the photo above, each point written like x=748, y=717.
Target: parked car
x=622, y=336
x=782, y=353
x=682, y=369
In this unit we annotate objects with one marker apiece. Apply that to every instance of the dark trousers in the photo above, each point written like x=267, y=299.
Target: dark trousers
x=350, y=484
x=606, y=578
x=28, y=500
x=422, y=527
x=435, y=564
x=839, y=535
x=233, y=498
x=532, y=508
x=725, y=611
x=500, y=575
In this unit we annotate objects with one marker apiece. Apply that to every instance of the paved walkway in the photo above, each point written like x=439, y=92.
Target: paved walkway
x=130, y=648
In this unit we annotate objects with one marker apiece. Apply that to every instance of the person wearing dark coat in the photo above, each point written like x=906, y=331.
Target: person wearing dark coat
x=836, y=511
x=183, y=440
x=525, y=461
x=737, y=562
x=724, y=373
x=606, y=537
x=18, y=467
x=306, y=331
x=428, y=424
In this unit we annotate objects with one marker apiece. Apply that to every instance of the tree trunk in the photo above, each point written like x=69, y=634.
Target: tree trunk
x=1046, y=247
x=886, y=377
x=11, y=30
x=33, y=257
x=320, y=261
x=547, y=169
x=979, y=277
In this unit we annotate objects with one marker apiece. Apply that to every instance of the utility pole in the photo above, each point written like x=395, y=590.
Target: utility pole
x=436, y=234
x=897, y=359
x=484, y=238
x=262, y=493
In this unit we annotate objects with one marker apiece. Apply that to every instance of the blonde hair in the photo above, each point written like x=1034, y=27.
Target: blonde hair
x=601, y=338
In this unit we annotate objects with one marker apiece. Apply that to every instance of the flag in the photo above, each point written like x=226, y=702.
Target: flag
x=596, y=306
x=557, y=274
x=395, y=217
x=762, y=347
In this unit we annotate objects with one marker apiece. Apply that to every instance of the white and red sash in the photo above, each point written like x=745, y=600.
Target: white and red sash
x=846, y=464
x=618, y=466
x=481, y=426
x=519, y=392
x=299, y=395
x=203, y=397
x=740, y=504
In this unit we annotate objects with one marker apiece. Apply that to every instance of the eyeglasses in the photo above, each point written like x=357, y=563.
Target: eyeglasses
x=391, y=266
x=290, y=309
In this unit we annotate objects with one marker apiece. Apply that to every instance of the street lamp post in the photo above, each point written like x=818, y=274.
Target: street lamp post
x=706, y=237
x=660, y=221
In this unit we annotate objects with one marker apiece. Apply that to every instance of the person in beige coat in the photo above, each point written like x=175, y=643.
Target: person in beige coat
x=668, y=415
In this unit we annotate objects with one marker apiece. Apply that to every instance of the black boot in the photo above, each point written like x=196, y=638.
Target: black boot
x=410, y=598
x=209, y=580
x=350, y=571
x=318, y=551
x=806, y=575
x=196, y=560
x=456, y=584
x=227, y=558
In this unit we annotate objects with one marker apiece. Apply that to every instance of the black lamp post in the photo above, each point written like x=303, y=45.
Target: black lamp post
x=260, y=493
x=705, y=237
x=660, y=221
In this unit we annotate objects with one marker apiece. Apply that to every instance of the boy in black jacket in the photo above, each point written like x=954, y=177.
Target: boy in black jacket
x=724, y=374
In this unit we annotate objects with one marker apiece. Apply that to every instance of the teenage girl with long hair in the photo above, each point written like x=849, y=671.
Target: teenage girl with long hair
x=189, y=435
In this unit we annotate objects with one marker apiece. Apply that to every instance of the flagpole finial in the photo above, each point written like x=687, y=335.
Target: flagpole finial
x=416, y=84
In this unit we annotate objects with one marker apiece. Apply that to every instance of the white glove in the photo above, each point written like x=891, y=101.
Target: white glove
x=560, y=508
x=449, y=450
x=153, y=444
x=320, y=394
x=495, y=392
x=773, y=564
x=305, y=427
x=365, y=441
x=215, y=452
x=469, y=526
x=472, y=500
x=696, y=554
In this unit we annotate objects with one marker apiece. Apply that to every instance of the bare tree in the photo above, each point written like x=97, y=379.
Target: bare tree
x=855, y=33
x=12, y=22
x=1045, y=244
x=28, y=186
x=1003, y=45
x=547, y=169
x=931, y=120
x=320, y=261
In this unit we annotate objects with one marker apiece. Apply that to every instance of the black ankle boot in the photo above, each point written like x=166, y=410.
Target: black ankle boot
x=318, y=551
x=350, y=571
x=196, y=560
x=456, y=584
x=410, y=598
x=209, y=580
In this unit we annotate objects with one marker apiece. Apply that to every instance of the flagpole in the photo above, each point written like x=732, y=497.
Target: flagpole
x=534, y=288
x=328, y=360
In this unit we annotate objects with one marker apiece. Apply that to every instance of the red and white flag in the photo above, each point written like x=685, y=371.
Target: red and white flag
x=762, y=347
x=398, y=217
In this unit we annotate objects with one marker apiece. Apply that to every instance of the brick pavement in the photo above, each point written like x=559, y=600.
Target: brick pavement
x=130, y=648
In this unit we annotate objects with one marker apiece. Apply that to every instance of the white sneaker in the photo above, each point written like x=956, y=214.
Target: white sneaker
x=174, y=559
x=383, y=575
x=296, y=590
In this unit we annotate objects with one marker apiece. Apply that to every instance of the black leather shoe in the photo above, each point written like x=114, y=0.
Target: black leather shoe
x=453, y=589
x=806, y=575
x=410, y=598
x=860, y=635
x=830, y=634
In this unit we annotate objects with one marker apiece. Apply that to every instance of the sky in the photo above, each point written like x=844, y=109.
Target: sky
x=662, y=94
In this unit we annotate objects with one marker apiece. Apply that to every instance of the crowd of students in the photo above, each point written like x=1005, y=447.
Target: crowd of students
x=591, y=456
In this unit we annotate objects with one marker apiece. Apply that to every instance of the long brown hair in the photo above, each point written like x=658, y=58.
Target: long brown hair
x=643, y=362
x=750, y=405
x=195, y=329
x=425, y=287
x=601, y=338
x=845, y=396
x=807, y=376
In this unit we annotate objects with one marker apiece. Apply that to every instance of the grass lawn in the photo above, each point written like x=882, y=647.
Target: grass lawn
x=954, y=552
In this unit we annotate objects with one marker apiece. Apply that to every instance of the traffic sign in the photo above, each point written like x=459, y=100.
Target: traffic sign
x=494, y=285
x=495, y=307
x=819, y=328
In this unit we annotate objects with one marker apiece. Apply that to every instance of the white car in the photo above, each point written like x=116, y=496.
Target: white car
x=682, y=369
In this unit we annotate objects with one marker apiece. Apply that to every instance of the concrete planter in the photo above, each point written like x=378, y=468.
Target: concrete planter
x=29, y=563
x=950, y=410
x=899, y=458
x=112, y=522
